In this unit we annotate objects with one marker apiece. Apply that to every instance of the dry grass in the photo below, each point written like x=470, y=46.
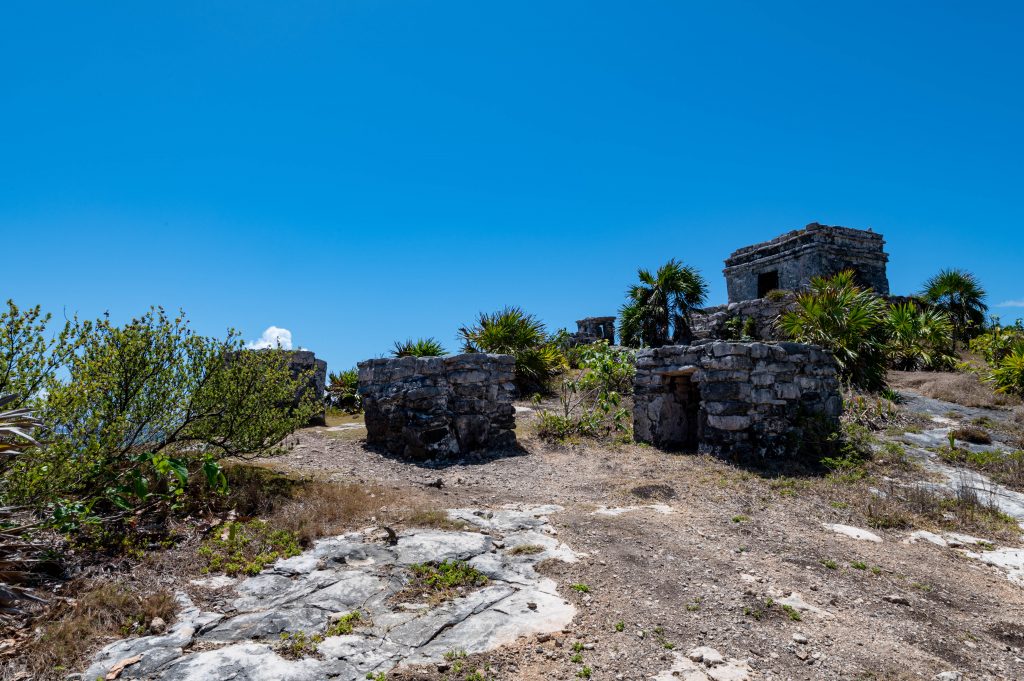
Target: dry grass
x=429, y=517
x=915, y=506
x=962, y=388
x=972, y=434
x=72, y=629
x=320, y=509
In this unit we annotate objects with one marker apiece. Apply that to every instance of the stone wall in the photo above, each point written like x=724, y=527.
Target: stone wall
x=715, y=322
x=791, y=260
x=436, y=407
x=738, y=400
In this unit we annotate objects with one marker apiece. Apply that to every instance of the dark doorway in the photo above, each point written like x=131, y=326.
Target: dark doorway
x=767, y=281
x=678, y=427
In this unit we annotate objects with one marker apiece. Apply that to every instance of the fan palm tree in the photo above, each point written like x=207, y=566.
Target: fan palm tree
x=919, y=338
x=511, y=331
x=421, y=347
x=959, y=294
x=846, y=320
x=658, y=309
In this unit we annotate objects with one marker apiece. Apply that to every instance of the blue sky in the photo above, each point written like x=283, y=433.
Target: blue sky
x=364, y=171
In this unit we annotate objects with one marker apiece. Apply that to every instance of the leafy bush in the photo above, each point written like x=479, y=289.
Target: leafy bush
x=442, y=581
x=999, y=341
x=960, y=295
x=658, y=309
x=847, y=320
x=1008, y=375
x=29, y=359
x=147, y=407
x=1003, y=350
x=740, y=328
x=918, y=338
x=343, y=391
x=421, y=347
x=511, y=331
x=592, y=396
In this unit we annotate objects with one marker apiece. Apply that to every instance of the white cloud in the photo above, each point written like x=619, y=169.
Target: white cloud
x=1012, y=303
x=273, y=337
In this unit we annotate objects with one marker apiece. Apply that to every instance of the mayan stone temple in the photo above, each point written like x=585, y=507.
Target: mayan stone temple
x=790, y=261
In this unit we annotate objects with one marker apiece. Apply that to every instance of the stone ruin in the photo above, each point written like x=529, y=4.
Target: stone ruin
x=788, y=262
x=757, y=318
x=436, y=407
x=594, y=329
x=301, y=361
x=737, y=400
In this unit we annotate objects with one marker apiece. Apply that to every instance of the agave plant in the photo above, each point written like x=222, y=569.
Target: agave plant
x=16, y=559
x=421, y=347
x=16, y=427
x=960, y=294
x=847, y=320
x=658, y=309
x=511, y=331
x=919, y=338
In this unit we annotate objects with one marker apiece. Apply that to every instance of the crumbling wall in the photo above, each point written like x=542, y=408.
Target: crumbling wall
x=729, y=322
x=733, y=399
x=791, y=260
x=430, y=407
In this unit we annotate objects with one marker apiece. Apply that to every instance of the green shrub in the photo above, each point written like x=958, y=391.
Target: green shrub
x=246, y=548
x=740, y=328
x=1008, y=375
x=511, y=331
x=999, y=341
x=148, y=408
x=421, y=347
x=343, y=391
x=591, y=397
x=441, y=581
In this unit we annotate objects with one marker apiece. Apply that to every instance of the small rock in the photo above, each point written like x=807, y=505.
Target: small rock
x=948, y=676
x=801, y=654
x=158, y=626
x=531, y=606
x=800, y=638
x=896, y=599
x=708, y=656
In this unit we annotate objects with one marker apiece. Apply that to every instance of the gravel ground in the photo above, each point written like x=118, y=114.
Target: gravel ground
x=702, y=555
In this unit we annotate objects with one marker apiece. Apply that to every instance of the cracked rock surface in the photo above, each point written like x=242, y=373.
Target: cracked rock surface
x=353, y=572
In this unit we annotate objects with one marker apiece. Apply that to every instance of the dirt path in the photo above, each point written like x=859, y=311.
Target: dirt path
x=705, y=558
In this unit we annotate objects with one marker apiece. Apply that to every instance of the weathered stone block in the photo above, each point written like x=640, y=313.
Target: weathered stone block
x=438, y=406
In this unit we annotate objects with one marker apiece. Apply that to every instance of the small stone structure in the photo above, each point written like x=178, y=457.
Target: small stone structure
x=732, y=399
x=428, y=407
x=790, y=261
x=301, y=361
x=593, y=329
